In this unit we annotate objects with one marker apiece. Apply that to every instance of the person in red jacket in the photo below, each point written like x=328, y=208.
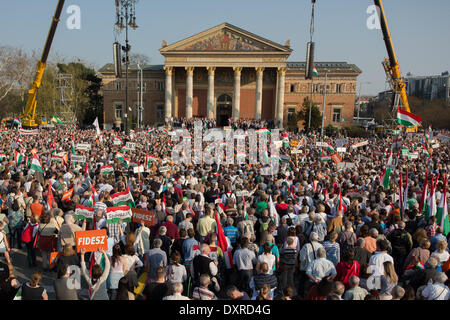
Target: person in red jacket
x=347, y=267
x=172, y=229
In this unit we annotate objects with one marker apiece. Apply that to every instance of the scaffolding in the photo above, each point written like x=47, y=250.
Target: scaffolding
x=65, y=107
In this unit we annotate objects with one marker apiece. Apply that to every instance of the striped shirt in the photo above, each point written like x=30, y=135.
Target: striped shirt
x=200, y=293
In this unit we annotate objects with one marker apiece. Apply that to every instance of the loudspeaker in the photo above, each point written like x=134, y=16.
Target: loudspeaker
x=117, y=59
x=309, y=61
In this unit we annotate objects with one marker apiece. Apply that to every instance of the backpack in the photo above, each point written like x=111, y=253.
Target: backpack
x=27, y=234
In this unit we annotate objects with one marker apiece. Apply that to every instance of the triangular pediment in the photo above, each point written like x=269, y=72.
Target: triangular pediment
x=225, y=38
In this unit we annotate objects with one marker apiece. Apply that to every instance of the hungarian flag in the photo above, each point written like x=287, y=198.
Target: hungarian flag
x=431, y=209
x=429, y=134
x=36, y=165
x=386, y=176
x=329, y=147
x=407, y=119
x=115, y=214
x=118, y=140
x=221, y=239
x=92, y=197
x=424, y=194
x=50, y=198
x=67, y=195
x=263, y=130
x=2, y=156
x=325, y=158
x=149, y=131
x=86, y=169
x=442, y=212
x=17, y=157
x=123, y=198
x=273, y=212
x=425, y=152
x=286, y=143
x=106, y=170
x=314, y=72
x=16, y=121
x=148, y=160
x=123, y=159
x=84, y=213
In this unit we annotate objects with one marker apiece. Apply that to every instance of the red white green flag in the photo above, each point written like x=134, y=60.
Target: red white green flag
x=386, y=176
x=106, y=170
x=123, y=198
x=442, y=211
x=115, y=214
x=407, y=119
x=18, y=157
x=36, y=165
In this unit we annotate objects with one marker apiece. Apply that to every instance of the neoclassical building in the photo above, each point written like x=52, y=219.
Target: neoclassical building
x=227, y=72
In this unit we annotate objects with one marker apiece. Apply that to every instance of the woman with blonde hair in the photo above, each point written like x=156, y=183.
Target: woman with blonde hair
x=389, y=280
x=441, y=253
x=264, y=293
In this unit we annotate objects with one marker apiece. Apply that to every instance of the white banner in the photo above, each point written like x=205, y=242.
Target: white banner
x=76, y=158
x=321, y=144
x=131, y=146
x=83, y=146
x=341, y=150
x=361, y=144
x=139, y=169
x=24, y=132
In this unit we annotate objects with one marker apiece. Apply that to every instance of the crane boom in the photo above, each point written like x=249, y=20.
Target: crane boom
x=29, y=115
x=391, y=66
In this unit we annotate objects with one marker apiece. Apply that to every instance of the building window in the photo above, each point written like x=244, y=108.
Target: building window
x=160, y=85
x=118, y=86
x=315, y=88
x=160, y=112
x=292, y=88
x=337, y=115
x=118, y=111
x=291, y=114
x=144, y=87
x=338, y=88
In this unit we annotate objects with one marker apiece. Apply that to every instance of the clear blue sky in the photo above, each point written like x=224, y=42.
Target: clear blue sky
x=420, y=30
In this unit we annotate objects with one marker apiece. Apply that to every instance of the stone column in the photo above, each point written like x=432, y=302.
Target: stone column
x=210, y=102
x=280, y=103
x=169, y=92
x=189, y=91
x=237, y=92
x=258, y=97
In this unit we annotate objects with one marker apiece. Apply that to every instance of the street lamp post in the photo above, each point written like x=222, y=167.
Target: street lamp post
x=324, y=99
x=126, y=17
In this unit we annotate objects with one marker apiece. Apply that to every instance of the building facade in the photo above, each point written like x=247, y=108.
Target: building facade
x=227, y=72
x=429, y=87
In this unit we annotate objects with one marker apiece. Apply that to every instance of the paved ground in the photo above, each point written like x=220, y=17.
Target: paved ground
x=23, y=274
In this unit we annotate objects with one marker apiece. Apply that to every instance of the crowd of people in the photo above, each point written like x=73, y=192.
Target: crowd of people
x=316, y=230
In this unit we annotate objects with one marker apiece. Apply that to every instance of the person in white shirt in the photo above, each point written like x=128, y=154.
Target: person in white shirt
x=177, y=289
x=379, y=258
x=436, y=289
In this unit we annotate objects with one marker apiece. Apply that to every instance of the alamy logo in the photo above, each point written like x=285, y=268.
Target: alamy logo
x=74, y=20
x=224, y=146
x=74, y=280
x=373, y=22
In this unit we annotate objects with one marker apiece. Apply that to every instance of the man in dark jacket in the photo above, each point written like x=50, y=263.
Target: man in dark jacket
x=362, y=255
x=401, y=242
x=288, y=262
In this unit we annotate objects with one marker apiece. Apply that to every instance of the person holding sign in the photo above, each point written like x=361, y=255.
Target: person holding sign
x=96, y=282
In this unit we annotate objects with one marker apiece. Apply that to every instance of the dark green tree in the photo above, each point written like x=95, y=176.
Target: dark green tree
x=316, y=115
